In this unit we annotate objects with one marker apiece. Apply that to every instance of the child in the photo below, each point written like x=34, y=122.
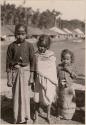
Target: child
x=19, y=67
x=66, y=94
x=45, y=77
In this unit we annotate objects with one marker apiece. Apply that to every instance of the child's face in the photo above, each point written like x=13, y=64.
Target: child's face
x=67, y=59
x=21, y=34
x=42, y=49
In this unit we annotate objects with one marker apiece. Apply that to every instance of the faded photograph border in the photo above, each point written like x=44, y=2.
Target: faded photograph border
x=63, y=22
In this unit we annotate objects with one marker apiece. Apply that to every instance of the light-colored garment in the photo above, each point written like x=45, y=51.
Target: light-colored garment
x=21, y=94
x=46, y=78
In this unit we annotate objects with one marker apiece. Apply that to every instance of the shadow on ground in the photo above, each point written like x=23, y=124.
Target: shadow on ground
x=6, y=110
x=79, y=116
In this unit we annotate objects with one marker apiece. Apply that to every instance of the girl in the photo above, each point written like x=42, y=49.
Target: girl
x=45, y=76
x=19, y=67
x=66, y=107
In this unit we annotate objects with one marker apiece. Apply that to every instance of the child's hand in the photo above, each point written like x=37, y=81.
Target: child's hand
x=67, y=69
x=9, y=79
x=9, y=84
x=31, y=80
x=32, y=86
x=73, y=75
x=63, y=83
x=17, y=66
x=44, y=88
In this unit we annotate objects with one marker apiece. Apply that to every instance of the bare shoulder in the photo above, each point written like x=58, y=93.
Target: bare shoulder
x=59, y=66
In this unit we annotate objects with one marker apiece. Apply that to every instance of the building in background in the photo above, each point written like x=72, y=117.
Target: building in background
x=60, y=33
x=77, y=33
x=69, y=33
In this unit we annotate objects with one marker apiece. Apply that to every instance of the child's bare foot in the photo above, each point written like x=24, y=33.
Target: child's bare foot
x=59, y=117
x=49, y=120
x=48, y=114
x=29, y=121
x=35, y=121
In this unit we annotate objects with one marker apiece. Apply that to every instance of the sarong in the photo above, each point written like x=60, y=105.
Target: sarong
x=21, y=94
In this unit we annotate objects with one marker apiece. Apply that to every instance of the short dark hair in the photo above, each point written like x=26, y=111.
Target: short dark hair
x=44, y=41
x=67, y=51
x=20, y=25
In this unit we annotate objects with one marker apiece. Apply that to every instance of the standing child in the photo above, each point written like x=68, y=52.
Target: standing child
x=45, y=77
x=19, y=67
x=66, y=107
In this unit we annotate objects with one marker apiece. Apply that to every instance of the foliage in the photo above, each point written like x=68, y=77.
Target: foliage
x=11, y=15
x=73, y=24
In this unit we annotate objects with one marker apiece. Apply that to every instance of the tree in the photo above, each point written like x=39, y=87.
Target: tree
x=36, y=18
x=13, y=15
x=46, y=19
x=56, y=19
x=29, y=15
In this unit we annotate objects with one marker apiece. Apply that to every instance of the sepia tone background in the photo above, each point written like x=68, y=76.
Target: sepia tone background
x=41, y=16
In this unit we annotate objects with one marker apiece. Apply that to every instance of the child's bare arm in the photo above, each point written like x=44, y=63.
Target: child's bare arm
x=69, y=70
x=31, y=80
x=9, y=79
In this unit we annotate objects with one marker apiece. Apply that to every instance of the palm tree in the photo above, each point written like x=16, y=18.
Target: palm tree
x=29, y=15
x=3, y=13
x=56, y=14
x=36, y=17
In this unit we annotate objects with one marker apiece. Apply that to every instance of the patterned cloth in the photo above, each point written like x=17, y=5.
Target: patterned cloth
x=66, y=93
x=46, y=77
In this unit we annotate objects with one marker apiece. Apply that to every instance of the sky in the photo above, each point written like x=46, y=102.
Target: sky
x=70, y=9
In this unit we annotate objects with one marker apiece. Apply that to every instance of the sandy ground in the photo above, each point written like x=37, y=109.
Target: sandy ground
x=6, y=110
